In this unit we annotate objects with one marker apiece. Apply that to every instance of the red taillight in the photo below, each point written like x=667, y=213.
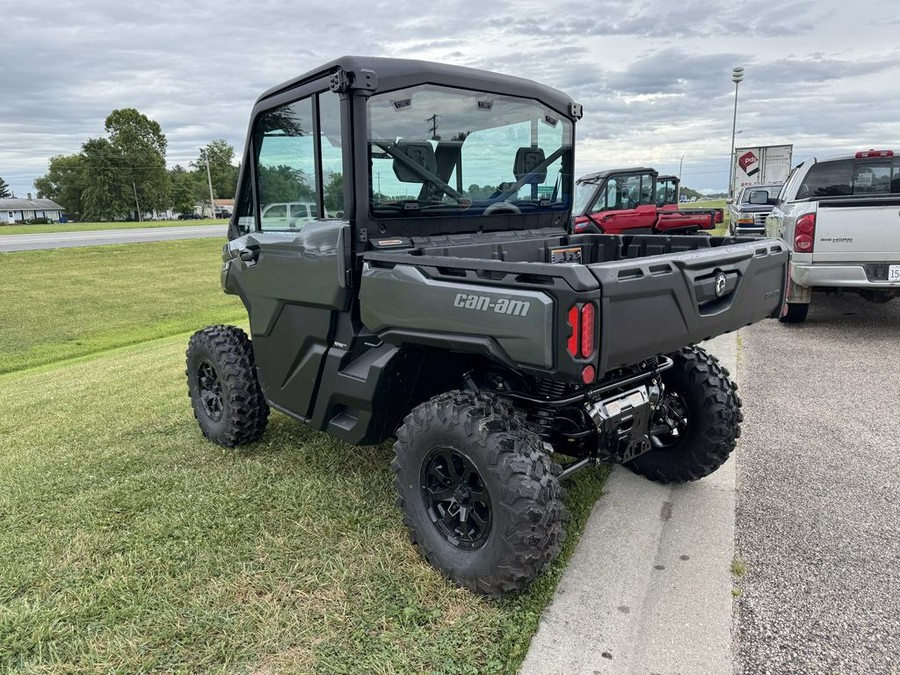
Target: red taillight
x=867, y=154
x=805, y=233
x=573, y=336
x=587, y=330
x=583, y=330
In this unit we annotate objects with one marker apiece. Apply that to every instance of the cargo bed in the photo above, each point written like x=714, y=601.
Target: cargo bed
x=655, y=294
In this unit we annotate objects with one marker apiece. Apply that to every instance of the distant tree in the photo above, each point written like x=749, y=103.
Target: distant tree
x=334, y=194
x=183, y=188
x=108, y=194
x=223, y=173
x=687, y=192
x=4, y=190
x=140, y=146
x=64, y=183
x=284, y=184
x=476, y=191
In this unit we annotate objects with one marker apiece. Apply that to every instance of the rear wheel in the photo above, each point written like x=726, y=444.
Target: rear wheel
x=225, y=394
x=702, y=410
x=794, y=312
x=479, y=495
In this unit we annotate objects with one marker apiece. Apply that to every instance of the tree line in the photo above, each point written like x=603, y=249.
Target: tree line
x=124, y=174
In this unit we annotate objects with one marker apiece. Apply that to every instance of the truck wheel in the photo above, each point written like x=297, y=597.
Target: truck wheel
x=701, y=407
x=479, y=495
x=225, y=394
x=795, y=312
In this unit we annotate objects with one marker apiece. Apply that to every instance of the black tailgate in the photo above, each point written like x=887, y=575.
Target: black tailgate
x=660, y=303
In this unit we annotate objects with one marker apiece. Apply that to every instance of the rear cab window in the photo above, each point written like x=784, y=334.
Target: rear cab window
x=851, y=178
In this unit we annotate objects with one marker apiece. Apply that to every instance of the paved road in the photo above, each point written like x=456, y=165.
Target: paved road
x=818, y=517
x=649, y=587
x=29, y=242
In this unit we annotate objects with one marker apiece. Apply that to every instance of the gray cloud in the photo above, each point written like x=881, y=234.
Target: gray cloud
x=654, y=79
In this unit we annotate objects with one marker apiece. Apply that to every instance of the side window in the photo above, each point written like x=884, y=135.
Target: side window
x=285, y=165
x=332, y=154
x=608, y=196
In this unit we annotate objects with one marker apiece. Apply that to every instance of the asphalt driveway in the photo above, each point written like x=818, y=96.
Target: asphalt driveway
x=818, y=504
x=30, y=242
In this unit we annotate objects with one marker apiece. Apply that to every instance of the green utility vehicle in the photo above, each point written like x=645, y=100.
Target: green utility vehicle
x=438, y=297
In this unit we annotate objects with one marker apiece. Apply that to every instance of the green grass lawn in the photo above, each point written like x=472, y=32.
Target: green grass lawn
x=130, y=543
x=63, y=303
x=85, y=227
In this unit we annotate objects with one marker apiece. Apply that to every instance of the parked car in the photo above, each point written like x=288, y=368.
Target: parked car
x=288, y=214
x=839, y=215
x=750, y=207
x=189, y=216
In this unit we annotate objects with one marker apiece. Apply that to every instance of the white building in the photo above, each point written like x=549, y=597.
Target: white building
x=22, y=210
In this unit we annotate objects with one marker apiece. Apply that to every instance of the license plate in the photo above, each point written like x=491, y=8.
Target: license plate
x=893, y=272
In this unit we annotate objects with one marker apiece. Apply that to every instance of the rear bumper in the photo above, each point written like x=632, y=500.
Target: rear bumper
x=811, y=275
x=742, y=229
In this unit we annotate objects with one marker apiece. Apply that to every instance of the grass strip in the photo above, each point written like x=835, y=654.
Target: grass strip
x=64, y=303
x=132, y=544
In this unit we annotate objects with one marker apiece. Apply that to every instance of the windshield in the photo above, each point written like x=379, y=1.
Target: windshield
x=584, y=193
x=441, y=151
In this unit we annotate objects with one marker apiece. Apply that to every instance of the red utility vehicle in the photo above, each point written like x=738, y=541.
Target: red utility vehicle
x=624, y=201
x=668, y=196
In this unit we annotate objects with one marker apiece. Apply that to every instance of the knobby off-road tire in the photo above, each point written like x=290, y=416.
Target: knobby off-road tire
x=225, y=394
x=700, y=394
x=795, y=312
x=479, y=494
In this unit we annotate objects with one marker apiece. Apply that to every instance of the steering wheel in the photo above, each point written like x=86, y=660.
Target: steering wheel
x=502, y=207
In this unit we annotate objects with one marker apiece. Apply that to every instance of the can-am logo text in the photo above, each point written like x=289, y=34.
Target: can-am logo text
x=485, y=303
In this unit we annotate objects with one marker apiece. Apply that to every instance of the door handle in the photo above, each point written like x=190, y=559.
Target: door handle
x=250, y=255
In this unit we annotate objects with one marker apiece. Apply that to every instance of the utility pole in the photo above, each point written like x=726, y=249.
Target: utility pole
x=212, y=201
x=137, y=203
x=434, y=119
x=737, y=75
x=680, y=164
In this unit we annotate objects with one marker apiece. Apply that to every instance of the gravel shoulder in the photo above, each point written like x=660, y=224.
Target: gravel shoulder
x=818, y=526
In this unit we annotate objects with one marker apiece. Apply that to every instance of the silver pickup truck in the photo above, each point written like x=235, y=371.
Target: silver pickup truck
x=840, y=216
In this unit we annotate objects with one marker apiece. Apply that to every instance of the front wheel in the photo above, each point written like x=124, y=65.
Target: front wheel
x=702, y=411
x=225, y=394
x=479, y=495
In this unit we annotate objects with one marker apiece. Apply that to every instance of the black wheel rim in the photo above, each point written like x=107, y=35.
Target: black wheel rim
x=456, y=499
x=210, y=391
x=673, y=413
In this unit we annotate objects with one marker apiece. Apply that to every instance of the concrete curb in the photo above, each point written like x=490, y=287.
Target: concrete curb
x=648, y=589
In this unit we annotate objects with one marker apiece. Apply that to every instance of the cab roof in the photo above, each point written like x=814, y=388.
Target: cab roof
x=601, y=175
x=376, y=74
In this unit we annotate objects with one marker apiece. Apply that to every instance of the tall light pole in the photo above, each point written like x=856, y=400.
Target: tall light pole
x=737, y=75
x=680, y=163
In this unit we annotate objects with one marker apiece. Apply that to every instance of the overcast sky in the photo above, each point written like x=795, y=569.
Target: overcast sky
x=654, y=77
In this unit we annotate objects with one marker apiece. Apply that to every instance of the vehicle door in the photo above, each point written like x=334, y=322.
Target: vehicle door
x=291, y=272
x=624, y=204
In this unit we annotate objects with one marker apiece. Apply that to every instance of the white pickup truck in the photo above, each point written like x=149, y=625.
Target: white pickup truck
x=840, y=216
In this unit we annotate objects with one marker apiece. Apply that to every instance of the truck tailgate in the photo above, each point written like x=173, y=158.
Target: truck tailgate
x=854, y=230
x=654, y=304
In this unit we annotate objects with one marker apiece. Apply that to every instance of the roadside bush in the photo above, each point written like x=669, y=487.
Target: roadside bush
x=39, y=221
